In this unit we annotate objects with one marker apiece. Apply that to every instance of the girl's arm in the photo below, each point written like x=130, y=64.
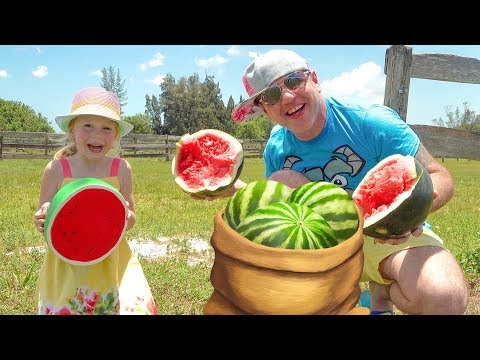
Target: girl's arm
x=51, y=180
x=126, y=188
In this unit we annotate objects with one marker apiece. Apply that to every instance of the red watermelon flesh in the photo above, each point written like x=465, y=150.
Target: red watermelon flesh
x=85, y=221
x=205, y=158
x=396, y=196
x=207, y=162
x=380, y=190
x=88, y=226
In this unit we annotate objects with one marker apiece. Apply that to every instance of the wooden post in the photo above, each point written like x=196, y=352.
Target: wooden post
x=398, y=60
x=167, y=148
x=46, y=144
x=1, y=146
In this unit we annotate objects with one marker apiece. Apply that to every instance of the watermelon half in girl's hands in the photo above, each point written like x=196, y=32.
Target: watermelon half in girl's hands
x=85, y=221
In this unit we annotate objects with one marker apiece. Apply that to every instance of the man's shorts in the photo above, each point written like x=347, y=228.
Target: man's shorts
x=375, y=253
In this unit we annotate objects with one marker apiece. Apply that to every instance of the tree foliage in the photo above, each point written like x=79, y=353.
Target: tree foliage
x=140, y=122
x=112, y=81
x=255, y=129
x=154, y=111
x=16, y=116
x=189, y=105
x=465, y=120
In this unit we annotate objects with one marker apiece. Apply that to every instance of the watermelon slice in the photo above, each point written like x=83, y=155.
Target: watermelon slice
x=85, y=221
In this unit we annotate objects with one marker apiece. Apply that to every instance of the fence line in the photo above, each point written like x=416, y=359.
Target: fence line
x=30, y=145
x=441, y=142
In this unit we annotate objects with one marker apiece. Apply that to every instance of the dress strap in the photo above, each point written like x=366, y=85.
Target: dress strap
x=115, y=165
x=66, y=168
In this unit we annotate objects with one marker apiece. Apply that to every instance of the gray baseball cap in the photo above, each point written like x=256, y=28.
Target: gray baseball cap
x=260, y=74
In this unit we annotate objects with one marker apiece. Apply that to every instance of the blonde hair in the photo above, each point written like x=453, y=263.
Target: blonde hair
x=71, y=147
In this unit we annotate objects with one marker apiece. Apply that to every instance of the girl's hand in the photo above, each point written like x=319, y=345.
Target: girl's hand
x=39, y=217
x=131, y=218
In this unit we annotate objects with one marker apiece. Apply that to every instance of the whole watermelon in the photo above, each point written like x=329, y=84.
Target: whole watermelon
x=207, y=162
x=252, y=196
x=333, y=203
x=287, y=225
x=396, y=196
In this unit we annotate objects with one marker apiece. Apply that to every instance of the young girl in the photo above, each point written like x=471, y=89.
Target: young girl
x=117, y=284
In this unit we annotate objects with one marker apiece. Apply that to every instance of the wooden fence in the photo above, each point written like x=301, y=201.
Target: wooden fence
x=30, y=145
x=441, y=142
x=402, y=64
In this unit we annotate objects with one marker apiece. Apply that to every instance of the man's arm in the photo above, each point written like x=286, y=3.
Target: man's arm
x=441, y=178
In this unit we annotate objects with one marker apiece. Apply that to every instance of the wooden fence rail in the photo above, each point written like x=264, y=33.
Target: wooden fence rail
x=30, y=145
x=441, y=142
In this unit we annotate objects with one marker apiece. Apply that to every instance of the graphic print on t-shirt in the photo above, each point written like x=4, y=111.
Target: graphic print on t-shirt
x=343, y=165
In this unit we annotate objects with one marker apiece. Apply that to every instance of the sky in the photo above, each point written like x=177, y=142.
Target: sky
x=46, y=77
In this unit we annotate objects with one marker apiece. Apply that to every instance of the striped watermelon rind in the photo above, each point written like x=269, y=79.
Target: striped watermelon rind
x=288, y=226
x=333, y=203
x=252, y=196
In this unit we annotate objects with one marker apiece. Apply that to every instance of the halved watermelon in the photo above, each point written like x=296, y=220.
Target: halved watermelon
x=207, y=162
x=396, y=196
x=85, y=221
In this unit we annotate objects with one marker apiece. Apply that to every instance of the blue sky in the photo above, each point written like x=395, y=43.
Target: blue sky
x=46, y=77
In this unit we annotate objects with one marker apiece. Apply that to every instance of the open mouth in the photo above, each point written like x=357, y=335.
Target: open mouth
x=95, y=148
x=295, y=109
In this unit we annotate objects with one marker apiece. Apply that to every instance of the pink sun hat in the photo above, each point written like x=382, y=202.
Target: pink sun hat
x=95, y=101
x=260, y=74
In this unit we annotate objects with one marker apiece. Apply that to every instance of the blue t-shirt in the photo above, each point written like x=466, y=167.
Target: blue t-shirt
x=354, y=139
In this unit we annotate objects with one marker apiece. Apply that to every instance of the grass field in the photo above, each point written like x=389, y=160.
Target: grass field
x=164, y=211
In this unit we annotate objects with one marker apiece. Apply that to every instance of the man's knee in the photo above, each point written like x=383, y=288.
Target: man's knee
x=429, y=281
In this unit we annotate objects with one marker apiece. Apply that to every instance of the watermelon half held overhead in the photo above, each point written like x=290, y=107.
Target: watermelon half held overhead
x=85, y=221
x=207, y=162
x=396, y=196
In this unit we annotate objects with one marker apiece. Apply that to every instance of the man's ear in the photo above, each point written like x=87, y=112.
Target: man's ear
x=314, y=77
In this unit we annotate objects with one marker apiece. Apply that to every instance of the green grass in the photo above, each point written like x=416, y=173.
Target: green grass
x=164, y=210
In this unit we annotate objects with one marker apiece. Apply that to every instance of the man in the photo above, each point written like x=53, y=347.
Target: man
x=319, y=138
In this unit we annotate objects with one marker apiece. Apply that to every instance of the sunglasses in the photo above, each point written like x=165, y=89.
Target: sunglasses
x=293, y=82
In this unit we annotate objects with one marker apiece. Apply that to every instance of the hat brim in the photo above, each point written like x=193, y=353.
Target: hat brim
x=63, y=121
x=247, y=109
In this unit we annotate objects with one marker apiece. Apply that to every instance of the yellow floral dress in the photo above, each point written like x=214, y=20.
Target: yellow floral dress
x=116, y=285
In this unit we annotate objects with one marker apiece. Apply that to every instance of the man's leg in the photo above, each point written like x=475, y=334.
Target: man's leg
x=427, y=280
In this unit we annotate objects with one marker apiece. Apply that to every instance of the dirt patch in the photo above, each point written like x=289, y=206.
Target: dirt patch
x=473, y=307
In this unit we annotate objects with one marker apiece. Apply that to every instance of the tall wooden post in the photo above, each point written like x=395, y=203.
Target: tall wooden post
x=398, y=60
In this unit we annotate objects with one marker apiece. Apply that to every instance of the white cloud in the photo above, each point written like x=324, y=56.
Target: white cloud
x=213, y=61
x=40, y=71
x=39, y=50
x=157, y=80
x=153, y=63
x=233, y=50
x=3, y=73
x=367, y=82
x=253, y=54
x=96, y=73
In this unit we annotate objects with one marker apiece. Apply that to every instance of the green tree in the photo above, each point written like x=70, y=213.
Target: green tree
x=231, y=126
x=16, y=116
x=190, y=105
x=466, y=120
x=140, y=122
x=112, y=81
x=258, y=128
x=154, y=111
